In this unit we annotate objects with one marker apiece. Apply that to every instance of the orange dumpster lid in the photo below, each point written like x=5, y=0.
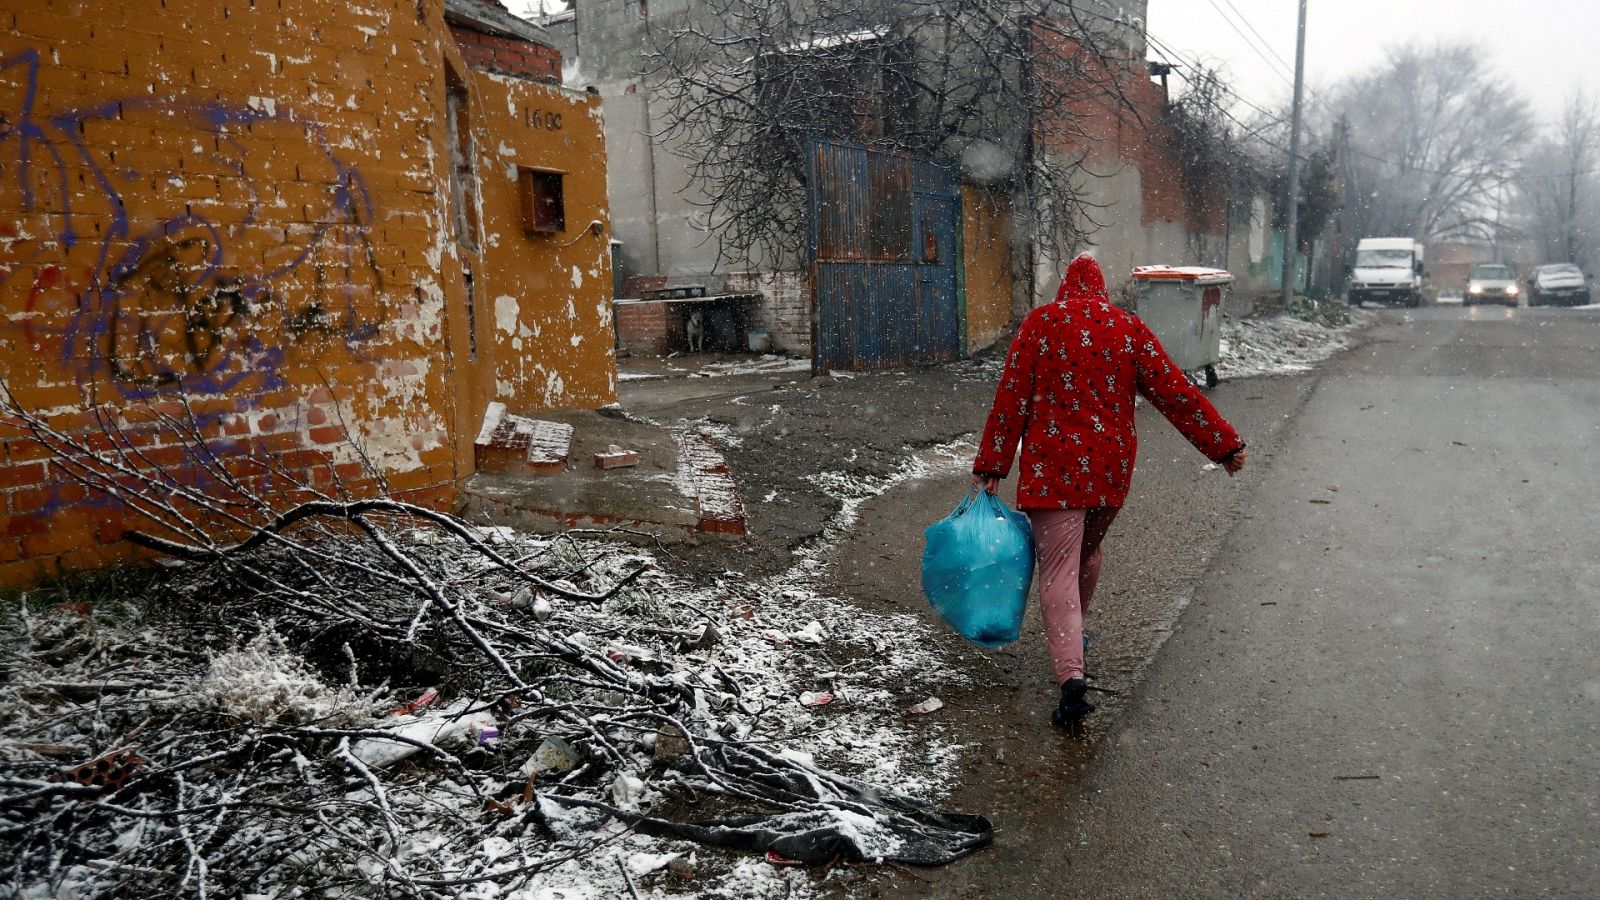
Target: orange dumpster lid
x=1196, y=274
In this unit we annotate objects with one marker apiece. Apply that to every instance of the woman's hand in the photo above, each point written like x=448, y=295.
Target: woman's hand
x=1235, y=462
x=989, y=483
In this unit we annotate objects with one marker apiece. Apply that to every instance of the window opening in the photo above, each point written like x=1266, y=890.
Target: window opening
x=544, y=208
x=463, y=171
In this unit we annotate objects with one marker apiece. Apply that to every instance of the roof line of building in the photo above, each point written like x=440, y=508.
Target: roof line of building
x=492, y=18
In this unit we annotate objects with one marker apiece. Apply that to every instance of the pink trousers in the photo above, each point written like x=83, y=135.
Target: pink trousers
x=1067, y=546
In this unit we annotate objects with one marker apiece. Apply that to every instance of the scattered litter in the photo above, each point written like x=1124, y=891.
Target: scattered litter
x=703, y=637
x=1323, y=502
x=1210, y=467
x=816, y=698
x=813, y=633
x=486, y=734
x=554, y=755
x=520, y=600
x=1320, y=833
x=645, y=863
x=623, y=653
x=1356, y=777
x=605, y=732
x=932, y=704
x=451, y=726
x=799, y=756
x=682, y=867
x=411, y=707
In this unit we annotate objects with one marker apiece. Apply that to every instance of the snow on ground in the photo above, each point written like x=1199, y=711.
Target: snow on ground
x=765, y=364
x=785, y=642
x=1284, y=344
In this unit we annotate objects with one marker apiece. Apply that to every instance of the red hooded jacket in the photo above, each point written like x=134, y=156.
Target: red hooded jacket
x=1067, y=395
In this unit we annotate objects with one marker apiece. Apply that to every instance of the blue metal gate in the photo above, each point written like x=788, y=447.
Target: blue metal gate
x=884, y=257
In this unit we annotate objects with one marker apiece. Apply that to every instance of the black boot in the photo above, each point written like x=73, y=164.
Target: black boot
x=1073, y=708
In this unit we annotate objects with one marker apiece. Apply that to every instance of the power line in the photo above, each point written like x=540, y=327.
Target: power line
x=1248, y=42
x=1264, y=42
x=1193, y=62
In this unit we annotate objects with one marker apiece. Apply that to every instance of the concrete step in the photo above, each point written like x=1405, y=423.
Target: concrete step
x=518, y=445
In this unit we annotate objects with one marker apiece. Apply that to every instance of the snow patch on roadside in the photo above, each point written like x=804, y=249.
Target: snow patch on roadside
x=1281, y=345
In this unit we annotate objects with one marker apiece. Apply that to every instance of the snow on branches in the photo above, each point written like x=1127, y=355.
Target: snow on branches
x=333, y=695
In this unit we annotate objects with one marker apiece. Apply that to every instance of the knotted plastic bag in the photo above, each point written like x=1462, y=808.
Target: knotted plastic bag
x=976, y=569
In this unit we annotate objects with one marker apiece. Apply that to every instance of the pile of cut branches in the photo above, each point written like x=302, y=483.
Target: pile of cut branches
x=326, y=694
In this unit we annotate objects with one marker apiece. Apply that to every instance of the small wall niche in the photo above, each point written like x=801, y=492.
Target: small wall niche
x=544, y=208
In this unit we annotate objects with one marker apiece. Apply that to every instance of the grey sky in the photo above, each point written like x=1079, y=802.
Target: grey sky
x=1545, y=48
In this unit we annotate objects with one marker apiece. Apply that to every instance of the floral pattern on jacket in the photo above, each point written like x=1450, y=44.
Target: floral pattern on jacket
x=1067, y=395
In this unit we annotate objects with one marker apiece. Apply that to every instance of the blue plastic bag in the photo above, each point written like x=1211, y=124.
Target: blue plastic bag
x=976, y=569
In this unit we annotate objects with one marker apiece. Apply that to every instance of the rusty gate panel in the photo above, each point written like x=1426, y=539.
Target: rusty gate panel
x=938, y=326
x=883, y=258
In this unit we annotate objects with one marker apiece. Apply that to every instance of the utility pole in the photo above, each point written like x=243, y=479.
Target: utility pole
x=1291, y=238
x=1499, y=195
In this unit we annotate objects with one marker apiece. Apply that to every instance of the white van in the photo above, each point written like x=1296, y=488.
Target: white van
x=1387, y=270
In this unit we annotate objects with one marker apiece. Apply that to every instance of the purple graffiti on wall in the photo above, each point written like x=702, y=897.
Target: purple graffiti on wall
x=194, y=237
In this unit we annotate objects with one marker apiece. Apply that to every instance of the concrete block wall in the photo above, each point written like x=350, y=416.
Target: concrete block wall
x=787, y=310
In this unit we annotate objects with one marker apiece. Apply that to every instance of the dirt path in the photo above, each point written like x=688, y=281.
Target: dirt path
x=785, y=429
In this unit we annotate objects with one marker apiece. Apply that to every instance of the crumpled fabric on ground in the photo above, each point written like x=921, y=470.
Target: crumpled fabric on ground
x=834, y=817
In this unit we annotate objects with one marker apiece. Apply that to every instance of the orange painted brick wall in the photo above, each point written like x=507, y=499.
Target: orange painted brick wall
x=545, y=300
x=243, y=202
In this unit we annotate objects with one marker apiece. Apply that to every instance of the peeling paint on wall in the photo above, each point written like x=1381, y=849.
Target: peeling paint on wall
x=554, y=339
x=257, y=219
x=505, y=313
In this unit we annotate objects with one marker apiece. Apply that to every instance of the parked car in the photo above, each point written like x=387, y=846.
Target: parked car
x=1492, y=283
x=1558, y=283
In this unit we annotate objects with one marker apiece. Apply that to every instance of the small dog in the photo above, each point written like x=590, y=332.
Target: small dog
x=694, y=328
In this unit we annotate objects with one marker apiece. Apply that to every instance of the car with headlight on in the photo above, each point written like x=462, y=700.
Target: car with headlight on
x=1492, y=283
x=1558, y=284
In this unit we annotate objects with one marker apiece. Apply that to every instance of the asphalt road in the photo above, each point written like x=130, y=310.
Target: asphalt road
x=1386, y=684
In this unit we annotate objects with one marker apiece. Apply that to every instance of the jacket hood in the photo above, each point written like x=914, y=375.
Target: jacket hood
x=1083, y=281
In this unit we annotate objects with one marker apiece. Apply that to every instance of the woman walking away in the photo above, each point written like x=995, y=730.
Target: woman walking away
x=1067, y=396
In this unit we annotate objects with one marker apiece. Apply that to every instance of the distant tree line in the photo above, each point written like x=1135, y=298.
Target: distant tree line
x=1433, y=144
